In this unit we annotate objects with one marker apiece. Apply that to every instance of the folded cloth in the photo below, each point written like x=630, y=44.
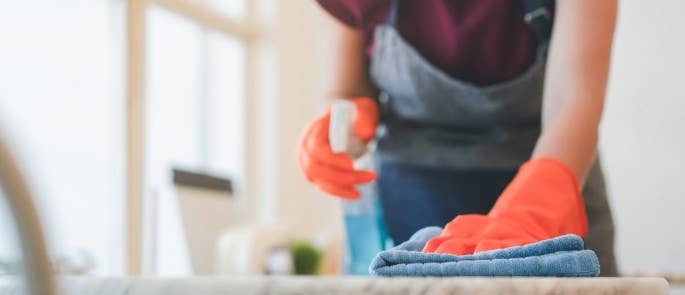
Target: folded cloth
x=563, y=256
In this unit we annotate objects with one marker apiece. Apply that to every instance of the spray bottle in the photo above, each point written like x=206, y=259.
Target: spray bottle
x=364, y=227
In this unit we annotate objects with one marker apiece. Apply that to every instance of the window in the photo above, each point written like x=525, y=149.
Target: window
x=195, y=97
x=188, y=72
x=195, y=120
x=61, y=103
x=103, y=97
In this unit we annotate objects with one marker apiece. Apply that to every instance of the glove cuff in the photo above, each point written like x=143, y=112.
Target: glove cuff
x=544, y=195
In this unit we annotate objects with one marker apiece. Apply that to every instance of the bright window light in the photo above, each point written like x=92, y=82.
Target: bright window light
x=226, y=106
x=174, y=92
x=195, y=119
x=61, y=102
x=195, y=98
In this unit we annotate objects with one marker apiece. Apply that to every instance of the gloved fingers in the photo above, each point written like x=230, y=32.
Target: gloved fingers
x=503, y=229
x=332, y=172
x=313, y=149
x=305, y=162
x=457, y=247
x=318, y=162
x=467, y=225
x=306, y=146
x=365, y=119
x=341, y=177
x=487, y=245
x=365, y=129
x=343, y=191
x=434, y=243
x=315, y=169
x=313, y=130
x=328, y=158
x=316, y=146
x=462, y=227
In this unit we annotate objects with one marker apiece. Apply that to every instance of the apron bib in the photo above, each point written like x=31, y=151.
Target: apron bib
x=436, y=127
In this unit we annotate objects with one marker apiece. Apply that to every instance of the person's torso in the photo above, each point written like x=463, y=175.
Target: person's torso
x=479, y=41
x=430, y=118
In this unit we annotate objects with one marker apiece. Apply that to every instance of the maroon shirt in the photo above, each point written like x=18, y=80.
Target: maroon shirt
x=479, y=41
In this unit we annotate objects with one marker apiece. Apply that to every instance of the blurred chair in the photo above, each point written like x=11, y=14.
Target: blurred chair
x=222, y=238
x=36, y=262
x=207, y=207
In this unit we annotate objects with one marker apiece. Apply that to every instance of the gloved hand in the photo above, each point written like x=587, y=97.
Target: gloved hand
x=332, y=172
x=541, y=202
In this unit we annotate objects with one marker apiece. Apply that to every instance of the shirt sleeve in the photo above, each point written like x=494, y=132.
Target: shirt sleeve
x=346, y=11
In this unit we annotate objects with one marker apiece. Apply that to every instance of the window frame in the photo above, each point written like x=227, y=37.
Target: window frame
x=246, y=30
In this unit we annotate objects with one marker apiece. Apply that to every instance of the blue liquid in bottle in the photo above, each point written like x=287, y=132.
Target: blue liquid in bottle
x=364, y=226
x=365, y=230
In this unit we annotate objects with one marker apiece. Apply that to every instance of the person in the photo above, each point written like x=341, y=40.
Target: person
x=485, y=115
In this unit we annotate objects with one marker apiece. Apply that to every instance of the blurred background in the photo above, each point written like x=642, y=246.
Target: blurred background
x=159, y=136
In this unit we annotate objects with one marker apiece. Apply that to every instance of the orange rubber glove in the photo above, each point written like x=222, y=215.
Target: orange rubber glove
x=543, y=201
x=331, y=172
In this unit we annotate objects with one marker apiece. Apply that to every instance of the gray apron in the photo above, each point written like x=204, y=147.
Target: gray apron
x=430, y=119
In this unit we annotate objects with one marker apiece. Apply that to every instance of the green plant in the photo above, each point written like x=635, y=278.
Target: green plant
x=306, y=258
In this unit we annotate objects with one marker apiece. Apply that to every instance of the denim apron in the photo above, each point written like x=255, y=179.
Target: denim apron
x=447, y=147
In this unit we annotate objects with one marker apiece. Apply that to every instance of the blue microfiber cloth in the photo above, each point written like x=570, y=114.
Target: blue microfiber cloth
x=563, y=256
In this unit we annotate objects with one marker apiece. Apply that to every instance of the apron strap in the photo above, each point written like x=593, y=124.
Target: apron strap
x=537, y=14
x=391, y=18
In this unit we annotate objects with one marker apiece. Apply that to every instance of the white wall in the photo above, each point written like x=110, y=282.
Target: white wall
x=61, y=106
x=643, y=135
x=300, y=43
